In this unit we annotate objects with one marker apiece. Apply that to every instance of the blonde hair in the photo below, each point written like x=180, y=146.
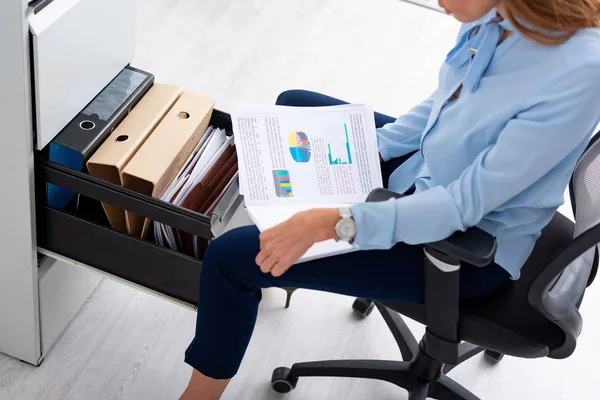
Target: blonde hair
x=552, y=22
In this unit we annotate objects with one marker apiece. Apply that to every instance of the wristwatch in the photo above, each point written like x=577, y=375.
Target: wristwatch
x=345, y=228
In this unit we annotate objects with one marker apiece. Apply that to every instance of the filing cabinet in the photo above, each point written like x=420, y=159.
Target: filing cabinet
x=59, y=55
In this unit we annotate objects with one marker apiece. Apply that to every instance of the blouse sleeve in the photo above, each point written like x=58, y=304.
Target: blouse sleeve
x=543, y=140
x=403, y=136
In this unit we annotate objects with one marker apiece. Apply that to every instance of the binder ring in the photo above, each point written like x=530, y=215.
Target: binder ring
x=87, y=125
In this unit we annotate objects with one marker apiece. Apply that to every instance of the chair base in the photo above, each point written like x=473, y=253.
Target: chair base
x=421, y=375
x=399, y=373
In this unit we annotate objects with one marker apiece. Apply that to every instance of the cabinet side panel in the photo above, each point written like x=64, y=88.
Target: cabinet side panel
x=19, y=310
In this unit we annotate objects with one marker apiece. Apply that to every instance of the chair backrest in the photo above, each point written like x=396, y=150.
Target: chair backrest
x=585, y=194
x=575, y=267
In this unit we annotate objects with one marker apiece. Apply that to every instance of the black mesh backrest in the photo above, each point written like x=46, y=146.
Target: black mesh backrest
x=585, y=188
x=562, y=298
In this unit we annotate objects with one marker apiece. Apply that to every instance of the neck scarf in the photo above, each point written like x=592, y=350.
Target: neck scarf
x=478, y=45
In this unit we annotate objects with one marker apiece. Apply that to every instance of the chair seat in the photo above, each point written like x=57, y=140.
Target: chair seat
x=504, y=321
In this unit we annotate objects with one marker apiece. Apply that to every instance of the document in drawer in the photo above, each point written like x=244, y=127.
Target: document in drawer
x=110, y=159
x=88, y=130
x=165, y=151
x=204, y=192
x=204, y=177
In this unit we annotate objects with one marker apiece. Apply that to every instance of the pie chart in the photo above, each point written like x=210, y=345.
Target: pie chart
x=299, y=147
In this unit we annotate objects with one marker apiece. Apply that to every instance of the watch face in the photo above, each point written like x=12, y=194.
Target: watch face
x=346, y=229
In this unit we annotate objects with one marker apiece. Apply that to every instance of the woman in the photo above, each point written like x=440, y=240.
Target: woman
x=494, y=147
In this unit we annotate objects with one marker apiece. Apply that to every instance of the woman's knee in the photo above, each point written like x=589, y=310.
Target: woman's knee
x=306, y=98
x=293, y=97
x=233, y=255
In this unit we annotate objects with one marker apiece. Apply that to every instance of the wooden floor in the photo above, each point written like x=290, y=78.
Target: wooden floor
x=129, y=345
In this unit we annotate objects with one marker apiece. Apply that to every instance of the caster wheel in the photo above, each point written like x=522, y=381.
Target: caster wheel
x=493, y=356
x=363, y=307
x=281, y=381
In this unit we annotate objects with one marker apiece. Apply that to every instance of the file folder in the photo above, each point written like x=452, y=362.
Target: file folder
x=233, y=182
x=227, y=163
x=219, y=190
x=210, y=187
x=86, y=132
x=108, y=161
x=165, y=151
x=212, y=144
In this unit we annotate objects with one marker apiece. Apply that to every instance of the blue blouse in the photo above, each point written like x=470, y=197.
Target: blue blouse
x=501, y=155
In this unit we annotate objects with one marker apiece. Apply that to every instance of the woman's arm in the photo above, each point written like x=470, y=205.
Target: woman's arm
x=556, y=126
x=403, y=136
x=282, y=245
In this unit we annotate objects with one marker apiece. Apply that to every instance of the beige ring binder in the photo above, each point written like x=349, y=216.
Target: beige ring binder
x=111, y=158
x=165, y=151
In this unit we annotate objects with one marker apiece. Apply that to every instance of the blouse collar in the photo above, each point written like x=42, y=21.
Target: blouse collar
x=477, y=45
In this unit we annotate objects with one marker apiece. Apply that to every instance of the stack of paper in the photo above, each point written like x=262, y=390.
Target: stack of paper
x=293, y=159
x=208, y=171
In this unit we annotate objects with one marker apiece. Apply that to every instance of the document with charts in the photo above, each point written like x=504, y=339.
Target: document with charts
x=297, y=158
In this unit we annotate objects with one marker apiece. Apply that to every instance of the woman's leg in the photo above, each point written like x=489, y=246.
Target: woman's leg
x=231, y=283
x=305, y=98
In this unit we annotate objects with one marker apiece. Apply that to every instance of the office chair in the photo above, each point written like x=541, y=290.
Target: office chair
x=535, y=316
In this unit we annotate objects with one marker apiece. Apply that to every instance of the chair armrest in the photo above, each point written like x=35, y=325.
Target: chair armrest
x=382, y=195
x=474, y=246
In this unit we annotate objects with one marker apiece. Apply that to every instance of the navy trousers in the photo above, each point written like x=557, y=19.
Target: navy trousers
x=231, y=282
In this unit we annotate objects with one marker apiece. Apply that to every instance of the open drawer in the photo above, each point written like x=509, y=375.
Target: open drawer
x=86, y=238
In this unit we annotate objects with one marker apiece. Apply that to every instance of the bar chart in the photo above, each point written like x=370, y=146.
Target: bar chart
x=283, y=184
x=339, y=151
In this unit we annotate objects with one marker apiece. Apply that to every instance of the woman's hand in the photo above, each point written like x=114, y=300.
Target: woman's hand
x=282, y=245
